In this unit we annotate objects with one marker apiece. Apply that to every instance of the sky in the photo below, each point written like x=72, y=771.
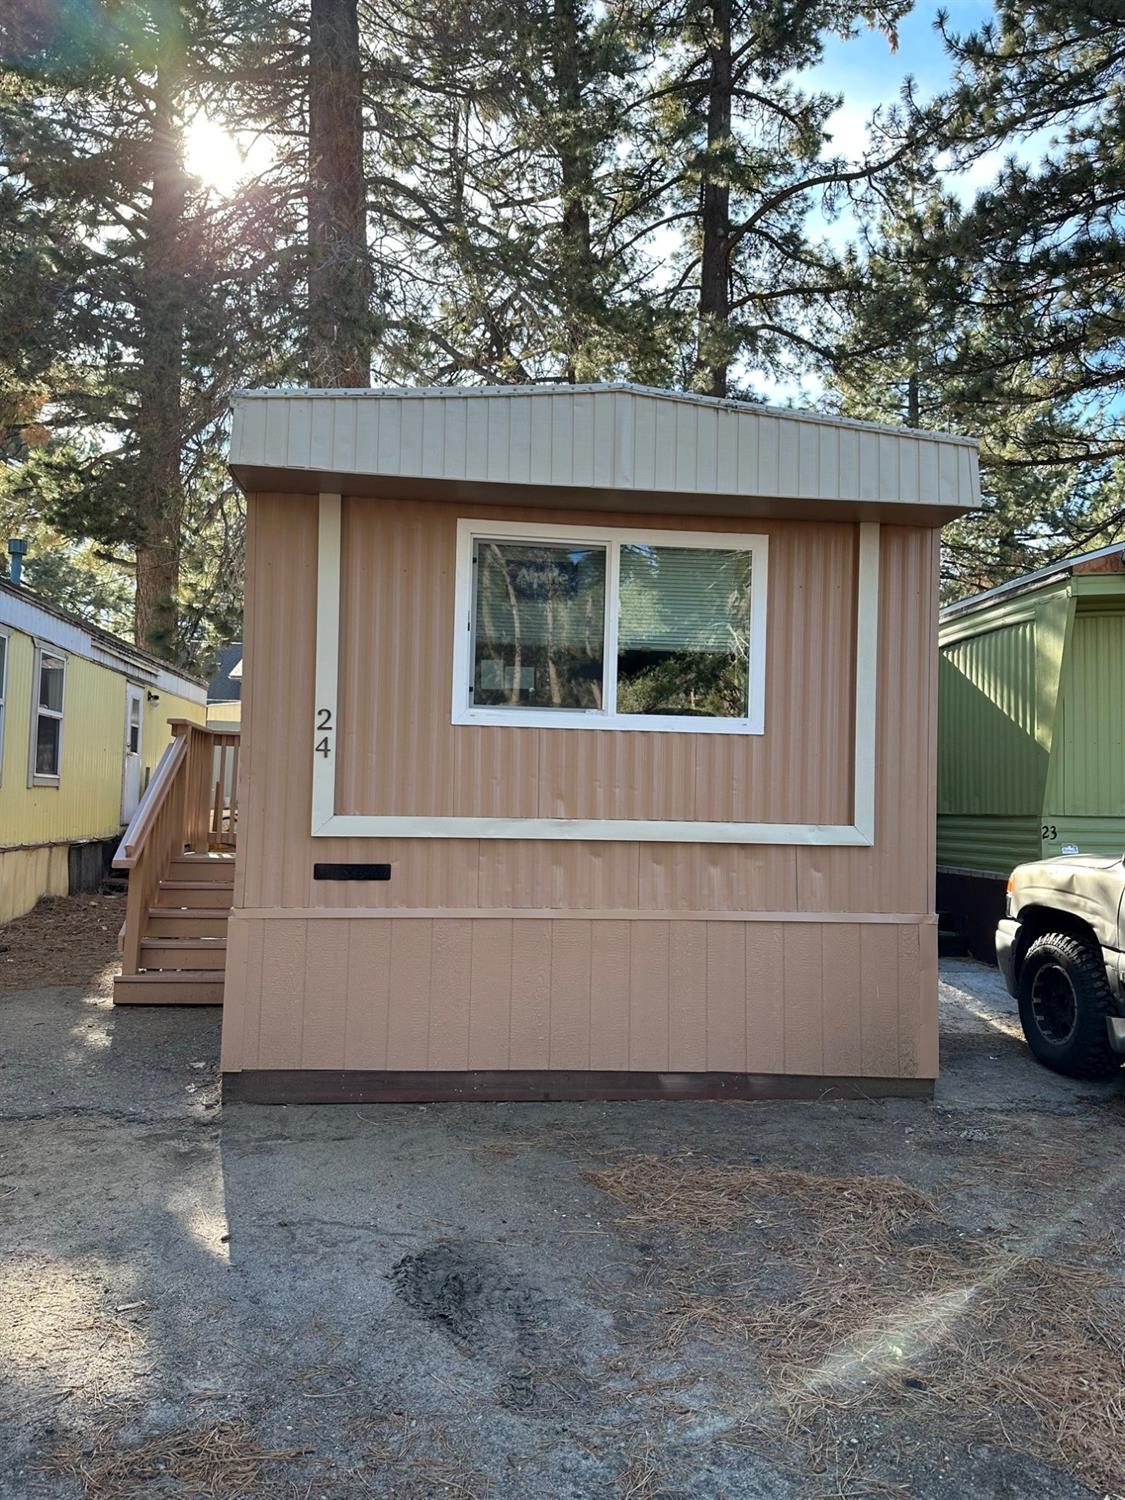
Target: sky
x=868, y=74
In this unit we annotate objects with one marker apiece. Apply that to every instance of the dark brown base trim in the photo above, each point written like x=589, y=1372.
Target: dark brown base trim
x=325, y=1086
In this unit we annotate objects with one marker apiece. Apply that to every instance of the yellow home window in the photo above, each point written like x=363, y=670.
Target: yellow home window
x=47, y=717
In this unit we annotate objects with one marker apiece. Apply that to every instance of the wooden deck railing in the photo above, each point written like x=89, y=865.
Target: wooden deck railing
x=189, y=806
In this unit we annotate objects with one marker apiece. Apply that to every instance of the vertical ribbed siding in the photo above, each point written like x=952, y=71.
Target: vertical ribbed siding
x=275, y=766
x=989, y=757
x=601, y=438
x=276, y=851
x=672, y=993
x=400, y=753
x=1088, y=756
x=86, y=802
x=894, y=876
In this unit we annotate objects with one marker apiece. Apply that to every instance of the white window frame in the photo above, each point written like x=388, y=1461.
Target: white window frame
x=34, y=777
x=326, y=822
x=6, y=637
x=612, y=539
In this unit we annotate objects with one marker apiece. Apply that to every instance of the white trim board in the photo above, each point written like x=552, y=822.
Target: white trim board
x=328, y=823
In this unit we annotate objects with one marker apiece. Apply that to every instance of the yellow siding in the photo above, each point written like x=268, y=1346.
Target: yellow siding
x=27, y=874
x=157, y=735
x=86, y=804
x=222, y=715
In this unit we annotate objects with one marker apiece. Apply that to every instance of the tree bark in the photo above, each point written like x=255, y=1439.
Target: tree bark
x=575, y=173
x=161, y=308
x=712, y=356
x=340, y=323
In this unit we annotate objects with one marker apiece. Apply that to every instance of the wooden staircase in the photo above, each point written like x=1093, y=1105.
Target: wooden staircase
x=179, y=851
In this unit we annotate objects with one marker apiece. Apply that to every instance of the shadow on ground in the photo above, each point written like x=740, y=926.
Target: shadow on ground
x=511, y=1300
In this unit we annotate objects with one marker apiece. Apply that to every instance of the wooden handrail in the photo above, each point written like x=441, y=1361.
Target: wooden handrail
x=136, y=835
x=190, y=805
x=204, y=820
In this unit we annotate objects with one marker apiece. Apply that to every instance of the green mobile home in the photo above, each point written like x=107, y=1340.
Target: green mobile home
x=1031, y=757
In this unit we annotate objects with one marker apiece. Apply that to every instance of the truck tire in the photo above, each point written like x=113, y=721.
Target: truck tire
x=1064, y=1003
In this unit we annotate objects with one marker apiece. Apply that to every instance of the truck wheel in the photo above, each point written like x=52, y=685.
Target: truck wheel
x=1064, y=1001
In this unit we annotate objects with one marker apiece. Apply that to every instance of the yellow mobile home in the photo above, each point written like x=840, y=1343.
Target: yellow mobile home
x=83, y=720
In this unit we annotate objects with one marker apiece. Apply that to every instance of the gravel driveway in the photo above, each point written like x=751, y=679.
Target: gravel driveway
x=539, y=1301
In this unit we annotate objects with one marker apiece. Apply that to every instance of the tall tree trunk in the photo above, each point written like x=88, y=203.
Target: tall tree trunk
x=576, y=180
x=161, y=306
x=340, y=324
x=712, y=356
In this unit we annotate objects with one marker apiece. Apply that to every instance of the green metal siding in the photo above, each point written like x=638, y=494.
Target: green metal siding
x=1090, y=835
x=989, y=759
x=1031, y=735
x=990, y=844
x=1087, y=776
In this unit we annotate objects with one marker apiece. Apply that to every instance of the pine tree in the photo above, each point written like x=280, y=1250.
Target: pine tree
x=339, y=275
x=151, y=283
x=1009, y=313
x=748, y=157
x=508, y=237
x=1046, y=341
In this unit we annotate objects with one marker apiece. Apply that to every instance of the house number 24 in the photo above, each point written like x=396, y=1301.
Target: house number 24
x=323, y=722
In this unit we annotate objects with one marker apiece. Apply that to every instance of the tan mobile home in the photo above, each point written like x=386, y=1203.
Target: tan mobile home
x=588, y=747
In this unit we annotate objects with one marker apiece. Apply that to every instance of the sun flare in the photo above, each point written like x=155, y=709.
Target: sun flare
x=217, y=158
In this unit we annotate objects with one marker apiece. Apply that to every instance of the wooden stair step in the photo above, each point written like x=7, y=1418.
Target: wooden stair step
x=214, y=867
x=183, y=953
x=195, y=893
x=185, y=921
x=181, y=987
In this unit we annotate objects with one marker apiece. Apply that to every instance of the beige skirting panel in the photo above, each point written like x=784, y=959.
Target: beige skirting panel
x=842, y=998
x=27, y=874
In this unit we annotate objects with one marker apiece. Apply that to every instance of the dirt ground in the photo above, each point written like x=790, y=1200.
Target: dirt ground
x=543, y=1302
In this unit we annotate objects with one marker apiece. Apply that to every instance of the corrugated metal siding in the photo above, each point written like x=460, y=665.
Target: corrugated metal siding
x=994, y=845
x=684, y=996
x=87, y=801
x=605, y=438
x=400, y=753
x=1087, y=777
x=1089, y=835
x=989, y=759
x=28, y=874
x=276, y=851
x=793, y=996
x=897, y=875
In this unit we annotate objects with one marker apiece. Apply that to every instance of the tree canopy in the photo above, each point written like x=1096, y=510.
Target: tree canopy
x=536, y=190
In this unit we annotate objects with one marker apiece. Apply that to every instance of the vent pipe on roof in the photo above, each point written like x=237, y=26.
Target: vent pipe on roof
x=17, y=550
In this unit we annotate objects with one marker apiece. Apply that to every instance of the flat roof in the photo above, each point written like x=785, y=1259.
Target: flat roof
x=602, y=447
x=24, y=610
x=1055, y=572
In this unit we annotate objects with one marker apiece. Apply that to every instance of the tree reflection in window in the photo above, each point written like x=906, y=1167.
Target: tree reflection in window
x=539, y=624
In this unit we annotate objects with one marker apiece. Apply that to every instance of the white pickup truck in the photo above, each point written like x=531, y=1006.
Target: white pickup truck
x=1059, y=948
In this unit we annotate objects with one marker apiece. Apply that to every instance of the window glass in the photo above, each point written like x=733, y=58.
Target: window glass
x=684, y=632
x=47, y=745
x=539, y=624
x=134, y=725
x=51, y=683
